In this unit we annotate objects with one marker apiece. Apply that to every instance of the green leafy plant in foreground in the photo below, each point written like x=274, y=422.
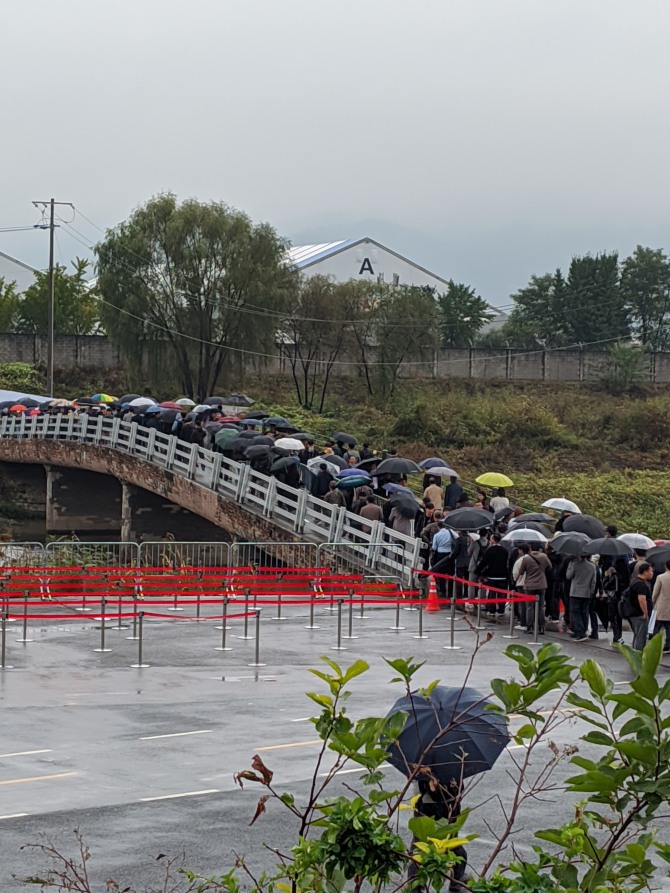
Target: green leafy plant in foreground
x=351, y=838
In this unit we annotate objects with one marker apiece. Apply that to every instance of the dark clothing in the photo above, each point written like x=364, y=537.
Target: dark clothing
x=307, y=454
x=321, y=484
x=637, y=588
x=443, y=803
x=579, y=614
x=452, y=494
x=365, y=454
x=494, y=562
x=198, y=436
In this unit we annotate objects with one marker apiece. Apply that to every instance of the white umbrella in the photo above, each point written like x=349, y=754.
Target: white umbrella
x=441, y=471
x=637, y=540
x=141, y=401
x=186, y=402
x=524, y=535
x=562, y=505
x=289, y=443
x=313, y=465
x=202, y=407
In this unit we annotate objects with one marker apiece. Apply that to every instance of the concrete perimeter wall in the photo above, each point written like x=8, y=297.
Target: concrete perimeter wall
x=76, y=351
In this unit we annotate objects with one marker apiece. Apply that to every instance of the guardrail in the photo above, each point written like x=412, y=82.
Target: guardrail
x=372, y=544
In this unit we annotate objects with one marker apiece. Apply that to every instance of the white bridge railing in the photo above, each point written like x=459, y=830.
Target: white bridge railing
x=371, y=545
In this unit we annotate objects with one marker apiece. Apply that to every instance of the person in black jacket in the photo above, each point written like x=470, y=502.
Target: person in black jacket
x=461, y=560
x=322, y=481
x=493, y=572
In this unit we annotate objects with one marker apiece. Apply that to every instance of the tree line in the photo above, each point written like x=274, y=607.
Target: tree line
x=201, y=290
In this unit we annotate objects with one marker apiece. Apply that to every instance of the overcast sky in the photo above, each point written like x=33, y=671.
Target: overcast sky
x=485, y=139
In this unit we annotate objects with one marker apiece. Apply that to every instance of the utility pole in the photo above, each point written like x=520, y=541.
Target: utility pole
x=50, y=303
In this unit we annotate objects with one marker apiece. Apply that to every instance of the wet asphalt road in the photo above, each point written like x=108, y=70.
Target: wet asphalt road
x=142, y=760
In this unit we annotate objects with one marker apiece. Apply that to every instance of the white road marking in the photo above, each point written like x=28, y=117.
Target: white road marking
x=302, y=719
x=346, y=771
x=175, y=735
x=185, y=794
x=293, y=744
x=14, y=815
x=22, y=753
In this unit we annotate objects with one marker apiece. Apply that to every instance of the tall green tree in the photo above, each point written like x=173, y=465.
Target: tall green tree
x=591, y=307
x=406, y=330
x=645, y=286
x=76, y=310
x=535, y=321
x=314, y=335
x=463, y=314
x=9, y=305
x=199, y=285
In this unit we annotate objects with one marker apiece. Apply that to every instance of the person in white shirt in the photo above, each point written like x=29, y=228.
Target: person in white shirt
x=499, y=501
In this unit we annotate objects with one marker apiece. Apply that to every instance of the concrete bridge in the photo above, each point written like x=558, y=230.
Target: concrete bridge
x=106, y=474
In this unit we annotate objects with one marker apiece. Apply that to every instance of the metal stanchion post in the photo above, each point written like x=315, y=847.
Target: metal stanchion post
x=3, y=643
x=119, y=625
x=24, y=637
x=134, y=635
x=246, y=616
x=279, y=617
x=362, y=615
x=420, y=635
x=536, y=623
x=312, y=625
x=478, y=621
x=339, y=646
x=102, y=649
x=511, y=634
x=397, y=626
x=223, y=627
x=224, y=612
x=197, y=604
x=140, y=665
x=351, y=617
x=257, y=661
x=452, y=646
x=175, y=606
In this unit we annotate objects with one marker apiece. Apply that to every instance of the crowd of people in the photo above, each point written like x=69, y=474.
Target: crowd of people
x=589, y=594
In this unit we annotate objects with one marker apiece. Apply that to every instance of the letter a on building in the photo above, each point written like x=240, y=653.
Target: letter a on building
x=366, y=267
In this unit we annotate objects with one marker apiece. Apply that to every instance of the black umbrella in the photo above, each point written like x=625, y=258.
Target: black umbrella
x=531, y=525
x=257, y=414
x=587, y=524
x=468, y=519
x=607, y=545
x=569, y=543
x=283, y=462
x=247, y=435
x=451, y=732
x=504, y=513
x=341, y=437
x=286, y=429
x=84, y=401
x=398, y=466
x=239, y=400
x=275, y=420
x=337, y=460
x=30, y=403
x=368, y=463
x=128, y=397
x=261, y=440
x=214, y=401
x=169, y=415
x=254, y=452
x=542, y=517
x=407, y=505
x=658, y=556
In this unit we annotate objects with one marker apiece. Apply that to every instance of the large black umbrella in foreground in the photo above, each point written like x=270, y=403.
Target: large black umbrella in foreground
x=406, y=505
x=341, y=437
x=451, y=732
x=587, y=524
x=468, y=519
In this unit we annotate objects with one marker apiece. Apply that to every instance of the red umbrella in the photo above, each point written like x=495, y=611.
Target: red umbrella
x=18, y=407
x=170, y=404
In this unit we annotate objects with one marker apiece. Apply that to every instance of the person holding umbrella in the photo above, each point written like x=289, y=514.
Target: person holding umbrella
x=535, y=568
x=449, y=735
x=581, y=573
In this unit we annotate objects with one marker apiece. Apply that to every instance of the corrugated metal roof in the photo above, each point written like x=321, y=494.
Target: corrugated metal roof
x=304, y=255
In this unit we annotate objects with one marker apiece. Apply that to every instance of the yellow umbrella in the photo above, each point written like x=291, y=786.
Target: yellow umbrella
x=494, y=479
x=104, y=398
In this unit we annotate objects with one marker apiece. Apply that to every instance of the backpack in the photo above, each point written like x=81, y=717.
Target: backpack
x=625, y=605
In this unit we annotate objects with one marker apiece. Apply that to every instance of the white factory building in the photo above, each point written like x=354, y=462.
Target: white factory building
x=362, y=259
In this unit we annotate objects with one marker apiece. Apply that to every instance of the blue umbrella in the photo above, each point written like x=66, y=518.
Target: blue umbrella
x=352, y=482
x=153, y=408
x=396, y=488
x=451, y=732
x=354, y=472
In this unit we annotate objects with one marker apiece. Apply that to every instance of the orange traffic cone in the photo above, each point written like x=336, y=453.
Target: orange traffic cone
x=432, y=604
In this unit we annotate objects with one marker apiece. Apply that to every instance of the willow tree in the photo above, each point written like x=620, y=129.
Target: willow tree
x=196, y=286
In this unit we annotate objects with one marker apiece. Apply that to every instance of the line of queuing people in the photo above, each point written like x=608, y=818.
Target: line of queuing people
x=590, y=596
